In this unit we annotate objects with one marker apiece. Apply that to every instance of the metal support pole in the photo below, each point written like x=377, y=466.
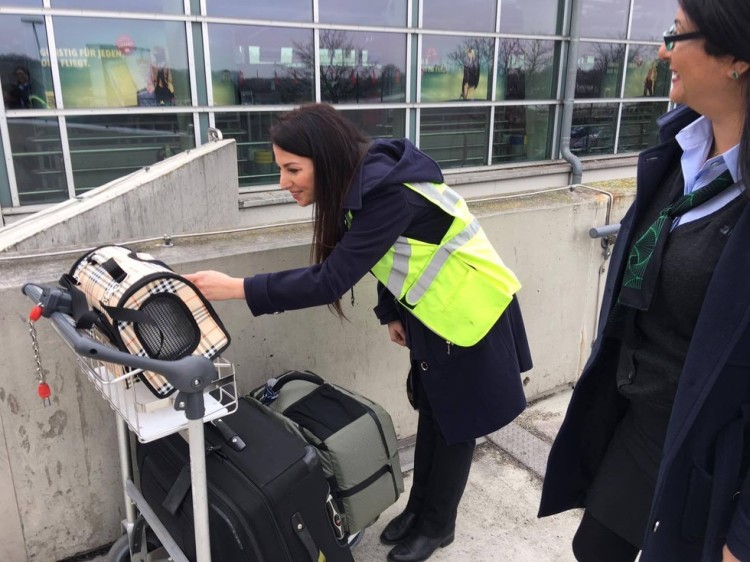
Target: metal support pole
x=123, y=445
x=199, y=489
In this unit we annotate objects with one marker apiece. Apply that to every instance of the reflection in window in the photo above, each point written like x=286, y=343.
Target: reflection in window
x=646, y=75
x=255, y=165
x=593, y=129
x=147, y=6
x=252, y=65
x=651, y=18
x=607, y=19
x=456, y=68
x=638, y=128
x=469, y=15
x=361, y=67
x=285, y=10
x=522, y=133
x=24, y=63
x=38, y=160
x=372, y=12
x=455, y=137
x=106, y=147
x=122, y=63
x=526, y=69
x=599, y=70
x=378, y=123
x=537, y=17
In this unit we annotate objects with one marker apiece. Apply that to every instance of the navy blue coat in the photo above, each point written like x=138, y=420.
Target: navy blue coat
x=702, y=496
x=473, y=391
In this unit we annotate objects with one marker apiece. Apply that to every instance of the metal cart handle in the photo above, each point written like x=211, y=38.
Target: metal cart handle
x=189, y=375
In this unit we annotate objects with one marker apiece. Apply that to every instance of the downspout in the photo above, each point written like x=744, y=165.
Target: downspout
x=571, y=69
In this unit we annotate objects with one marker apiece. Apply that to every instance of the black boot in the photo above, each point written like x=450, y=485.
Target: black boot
x=399, y=528
x=417, y=548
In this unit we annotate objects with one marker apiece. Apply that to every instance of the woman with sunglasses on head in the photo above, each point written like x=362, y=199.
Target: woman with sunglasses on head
x=656, y=441
x=442, y=291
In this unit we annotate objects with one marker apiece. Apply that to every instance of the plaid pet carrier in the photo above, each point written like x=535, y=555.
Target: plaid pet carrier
x=144, y=308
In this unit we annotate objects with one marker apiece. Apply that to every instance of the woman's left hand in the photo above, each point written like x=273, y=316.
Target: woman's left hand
x=396, y=332
x=727, y=556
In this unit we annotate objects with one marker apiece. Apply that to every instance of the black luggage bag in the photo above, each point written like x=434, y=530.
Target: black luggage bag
x=268, y=502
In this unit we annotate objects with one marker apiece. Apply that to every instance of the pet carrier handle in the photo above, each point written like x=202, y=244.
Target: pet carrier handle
x=190, y=375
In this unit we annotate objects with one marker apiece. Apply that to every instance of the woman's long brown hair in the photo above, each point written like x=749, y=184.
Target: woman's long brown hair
x=336, y=148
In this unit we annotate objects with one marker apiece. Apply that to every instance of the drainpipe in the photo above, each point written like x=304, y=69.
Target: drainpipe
x=569, y=92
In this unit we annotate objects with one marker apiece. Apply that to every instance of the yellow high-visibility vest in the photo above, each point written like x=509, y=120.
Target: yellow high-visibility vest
x=458, y=288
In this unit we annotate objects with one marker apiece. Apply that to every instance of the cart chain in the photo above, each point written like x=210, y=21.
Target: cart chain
x=43, y=388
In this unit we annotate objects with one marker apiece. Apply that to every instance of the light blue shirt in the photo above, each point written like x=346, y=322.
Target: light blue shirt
x=696, y=140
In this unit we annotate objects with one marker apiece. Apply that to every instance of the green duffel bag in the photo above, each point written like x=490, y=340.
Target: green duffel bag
x=354, y=438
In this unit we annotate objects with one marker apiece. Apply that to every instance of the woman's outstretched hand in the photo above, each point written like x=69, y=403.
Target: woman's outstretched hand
x=397, y=333
x=217, y=286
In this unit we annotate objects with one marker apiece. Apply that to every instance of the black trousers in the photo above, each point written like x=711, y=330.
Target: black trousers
x=593, y=542
x=440, y=473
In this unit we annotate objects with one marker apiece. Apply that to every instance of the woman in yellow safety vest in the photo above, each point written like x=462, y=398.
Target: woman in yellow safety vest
x=382, y=207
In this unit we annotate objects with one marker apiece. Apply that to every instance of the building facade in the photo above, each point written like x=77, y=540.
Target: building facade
x=96, y=89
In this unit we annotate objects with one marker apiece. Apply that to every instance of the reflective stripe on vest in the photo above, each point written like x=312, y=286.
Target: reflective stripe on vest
x=423, y=277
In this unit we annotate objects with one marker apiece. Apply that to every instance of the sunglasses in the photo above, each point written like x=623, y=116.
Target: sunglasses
x=670, y=37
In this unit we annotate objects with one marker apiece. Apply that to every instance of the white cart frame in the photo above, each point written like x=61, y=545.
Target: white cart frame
x=207, y=391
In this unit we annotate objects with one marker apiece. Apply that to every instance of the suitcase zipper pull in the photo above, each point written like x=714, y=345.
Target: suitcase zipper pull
x=449, y=344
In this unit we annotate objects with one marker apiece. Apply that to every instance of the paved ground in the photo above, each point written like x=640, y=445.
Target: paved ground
x=497, y=518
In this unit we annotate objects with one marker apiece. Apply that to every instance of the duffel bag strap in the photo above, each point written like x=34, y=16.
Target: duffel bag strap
x=308, y=376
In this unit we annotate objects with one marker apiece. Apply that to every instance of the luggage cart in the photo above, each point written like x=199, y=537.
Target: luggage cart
x=206, y=392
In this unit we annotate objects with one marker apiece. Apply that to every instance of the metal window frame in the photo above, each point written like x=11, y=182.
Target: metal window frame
x=412, y=106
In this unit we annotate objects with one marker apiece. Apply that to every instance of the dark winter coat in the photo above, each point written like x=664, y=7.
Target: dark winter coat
x=702, y=496
x=473, y=391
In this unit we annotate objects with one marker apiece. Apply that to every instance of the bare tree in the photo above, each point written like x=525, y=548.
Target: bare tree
x=343, y=75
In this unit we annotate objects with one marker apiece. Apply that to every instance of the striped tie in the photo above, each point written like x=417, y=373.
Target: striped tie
x=642, y=269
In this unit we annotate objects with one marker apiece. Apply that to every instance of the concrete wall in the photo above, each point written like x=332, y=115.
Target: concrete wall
x=59, y=487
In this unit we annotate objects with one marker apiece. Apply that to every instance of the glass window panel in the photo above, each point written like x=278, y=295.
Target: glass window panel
x=526, y=69
x=646, y=74
x=468, y=15
x=25, y=74
x=456, y=68
x=538, y=17
x=372, y=12
x=250, y=131
x=522, y=133
x=362, y=67
x=651, y=18
x=638, y=128
x=38, y=160
x=593, y=129
x=600, y=68
x=252, y=65
x=107, y=147
x=284, y=10
x=606, y=19
x=455, y=137
x=147, y=6
x=122, y=63
x=25, y=3
x=378, y=123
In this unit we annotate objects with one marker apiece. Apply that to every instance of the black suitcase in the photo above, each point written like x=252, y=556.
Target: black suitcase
x=267, y=502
